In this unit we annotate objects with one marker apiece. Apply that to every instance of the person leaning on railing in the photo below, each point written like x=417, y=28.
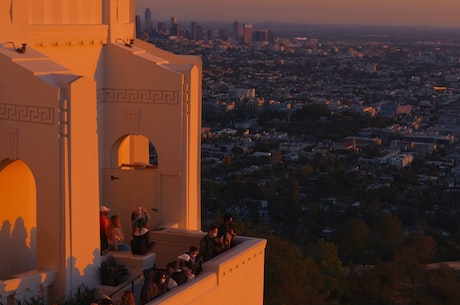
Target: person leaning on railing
x=210, y=244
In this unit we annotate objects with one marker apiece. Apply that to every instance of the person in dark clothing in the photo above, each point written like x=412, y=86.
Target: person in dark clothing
x=210, y=244
x=227, y=231
x=161, y=280
x=149, y=289
x=195, y=259
x=141, y=244
x=177, y=274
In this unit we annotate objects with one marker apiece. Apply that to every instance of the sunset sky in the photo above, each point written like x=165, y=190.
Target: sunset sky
x=364, y=12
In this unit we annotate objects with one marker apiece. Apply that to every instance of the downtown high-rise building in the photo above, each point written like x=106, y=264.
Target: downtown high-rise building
x=138, y=26
x=148, y=21
x=161, y=27
x=237, y=32
x=247, y=33
x=173, y=26
x=194, y=30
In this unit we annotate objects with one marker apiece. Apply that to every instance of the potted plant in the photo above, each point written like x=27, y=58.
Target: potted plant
x=111, y=272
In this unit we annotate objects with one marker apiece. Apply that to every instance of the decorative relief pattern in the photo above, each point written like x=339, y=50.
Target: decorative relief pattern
x=170, y=97
x=27, y=113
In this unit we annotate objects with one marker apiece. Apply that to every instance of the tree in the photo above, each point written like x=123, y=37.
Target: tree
x=326, y=258
x=353, y=241
x=290, y=278
x=387, y=236
x=442, y=286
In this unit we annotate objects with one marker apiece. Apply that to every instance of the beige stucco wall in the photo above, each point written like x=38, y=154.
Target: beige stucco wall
x=66, y=102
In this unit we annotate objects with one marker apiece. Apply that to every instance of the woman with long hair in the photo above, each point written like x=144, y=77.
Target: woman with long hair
x=115, y=235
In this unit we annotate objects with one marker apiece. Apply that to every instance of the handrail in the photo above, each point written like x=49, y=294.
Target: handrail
x=132, y=282
x=126, y=284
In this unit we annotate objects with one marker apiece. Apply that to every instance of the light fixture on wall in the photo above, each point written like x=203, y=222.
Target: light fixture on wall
x=127, y=44
x=19, y=50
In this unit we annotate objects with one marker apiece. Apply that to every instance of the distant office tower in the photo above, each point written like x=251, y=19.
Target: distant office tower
x=236, y=25
x=161, y=27
x=222, y=34
x=148, y=21
x=247, y=33
x=237, y=31
x=174, y=27
x=271, y=36
x=210, y=34
x=138, y=26
x=261, y=35
x=200, y=32
x=194, y=35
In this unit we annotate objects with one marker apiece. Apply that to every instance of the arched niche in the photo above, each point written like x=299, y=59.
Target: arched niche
x=18, y=218
x=134, y=152
x=132, y=180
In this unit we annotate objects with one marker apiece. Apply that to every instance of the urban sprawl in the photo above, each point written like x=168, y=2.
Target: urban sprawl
x=305, y=127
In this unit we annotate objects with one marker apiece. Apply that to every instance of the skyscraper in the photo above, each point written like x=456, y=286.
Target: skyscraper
x=173, y=27
x=148, y=21
x=138, y=26
x=194, y=34
x=237, y=32
x=247, y=33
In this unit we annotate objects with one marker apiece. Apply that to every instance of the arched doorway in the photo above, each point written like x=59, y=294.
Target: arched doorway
x=133, y=180
x=18, y=218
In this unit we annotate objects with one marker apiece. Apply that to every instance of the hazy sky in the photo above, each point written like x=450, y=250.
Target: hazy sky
x=377, y=12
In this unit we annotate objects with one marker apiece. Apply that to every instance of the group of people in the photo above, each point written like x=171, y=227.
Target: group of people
x=218, y=239
x=178, y=272
x=188, y=265
x=112, y=237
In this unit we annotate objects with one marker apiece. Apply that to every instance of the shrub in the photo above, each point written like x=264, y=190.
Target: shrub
x=111, y=272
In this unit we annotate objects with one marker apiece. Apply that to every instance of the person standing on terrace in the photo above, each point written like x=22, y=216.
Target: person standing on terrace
x=140, y=243
x=227, y=231
x=195, y=259
x=140, y=213
x=210, y=244
x=149, y=288
x=104, y=224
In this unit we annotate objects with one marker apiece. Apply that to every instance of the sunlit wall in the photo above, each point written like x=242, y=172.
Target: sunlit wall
x=18, y=218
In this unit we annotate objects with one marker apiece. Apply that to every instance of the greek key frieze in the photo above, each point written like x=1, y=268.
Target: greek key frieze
x=27, y=113
x=139, y=96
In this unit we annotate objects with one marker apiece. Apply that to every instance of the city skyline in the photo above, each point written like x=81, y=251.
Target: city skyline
x=442, y=13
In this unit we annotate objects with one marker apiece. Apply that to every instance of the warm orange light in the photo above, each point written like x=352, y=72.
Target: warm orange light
x=18, y=215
